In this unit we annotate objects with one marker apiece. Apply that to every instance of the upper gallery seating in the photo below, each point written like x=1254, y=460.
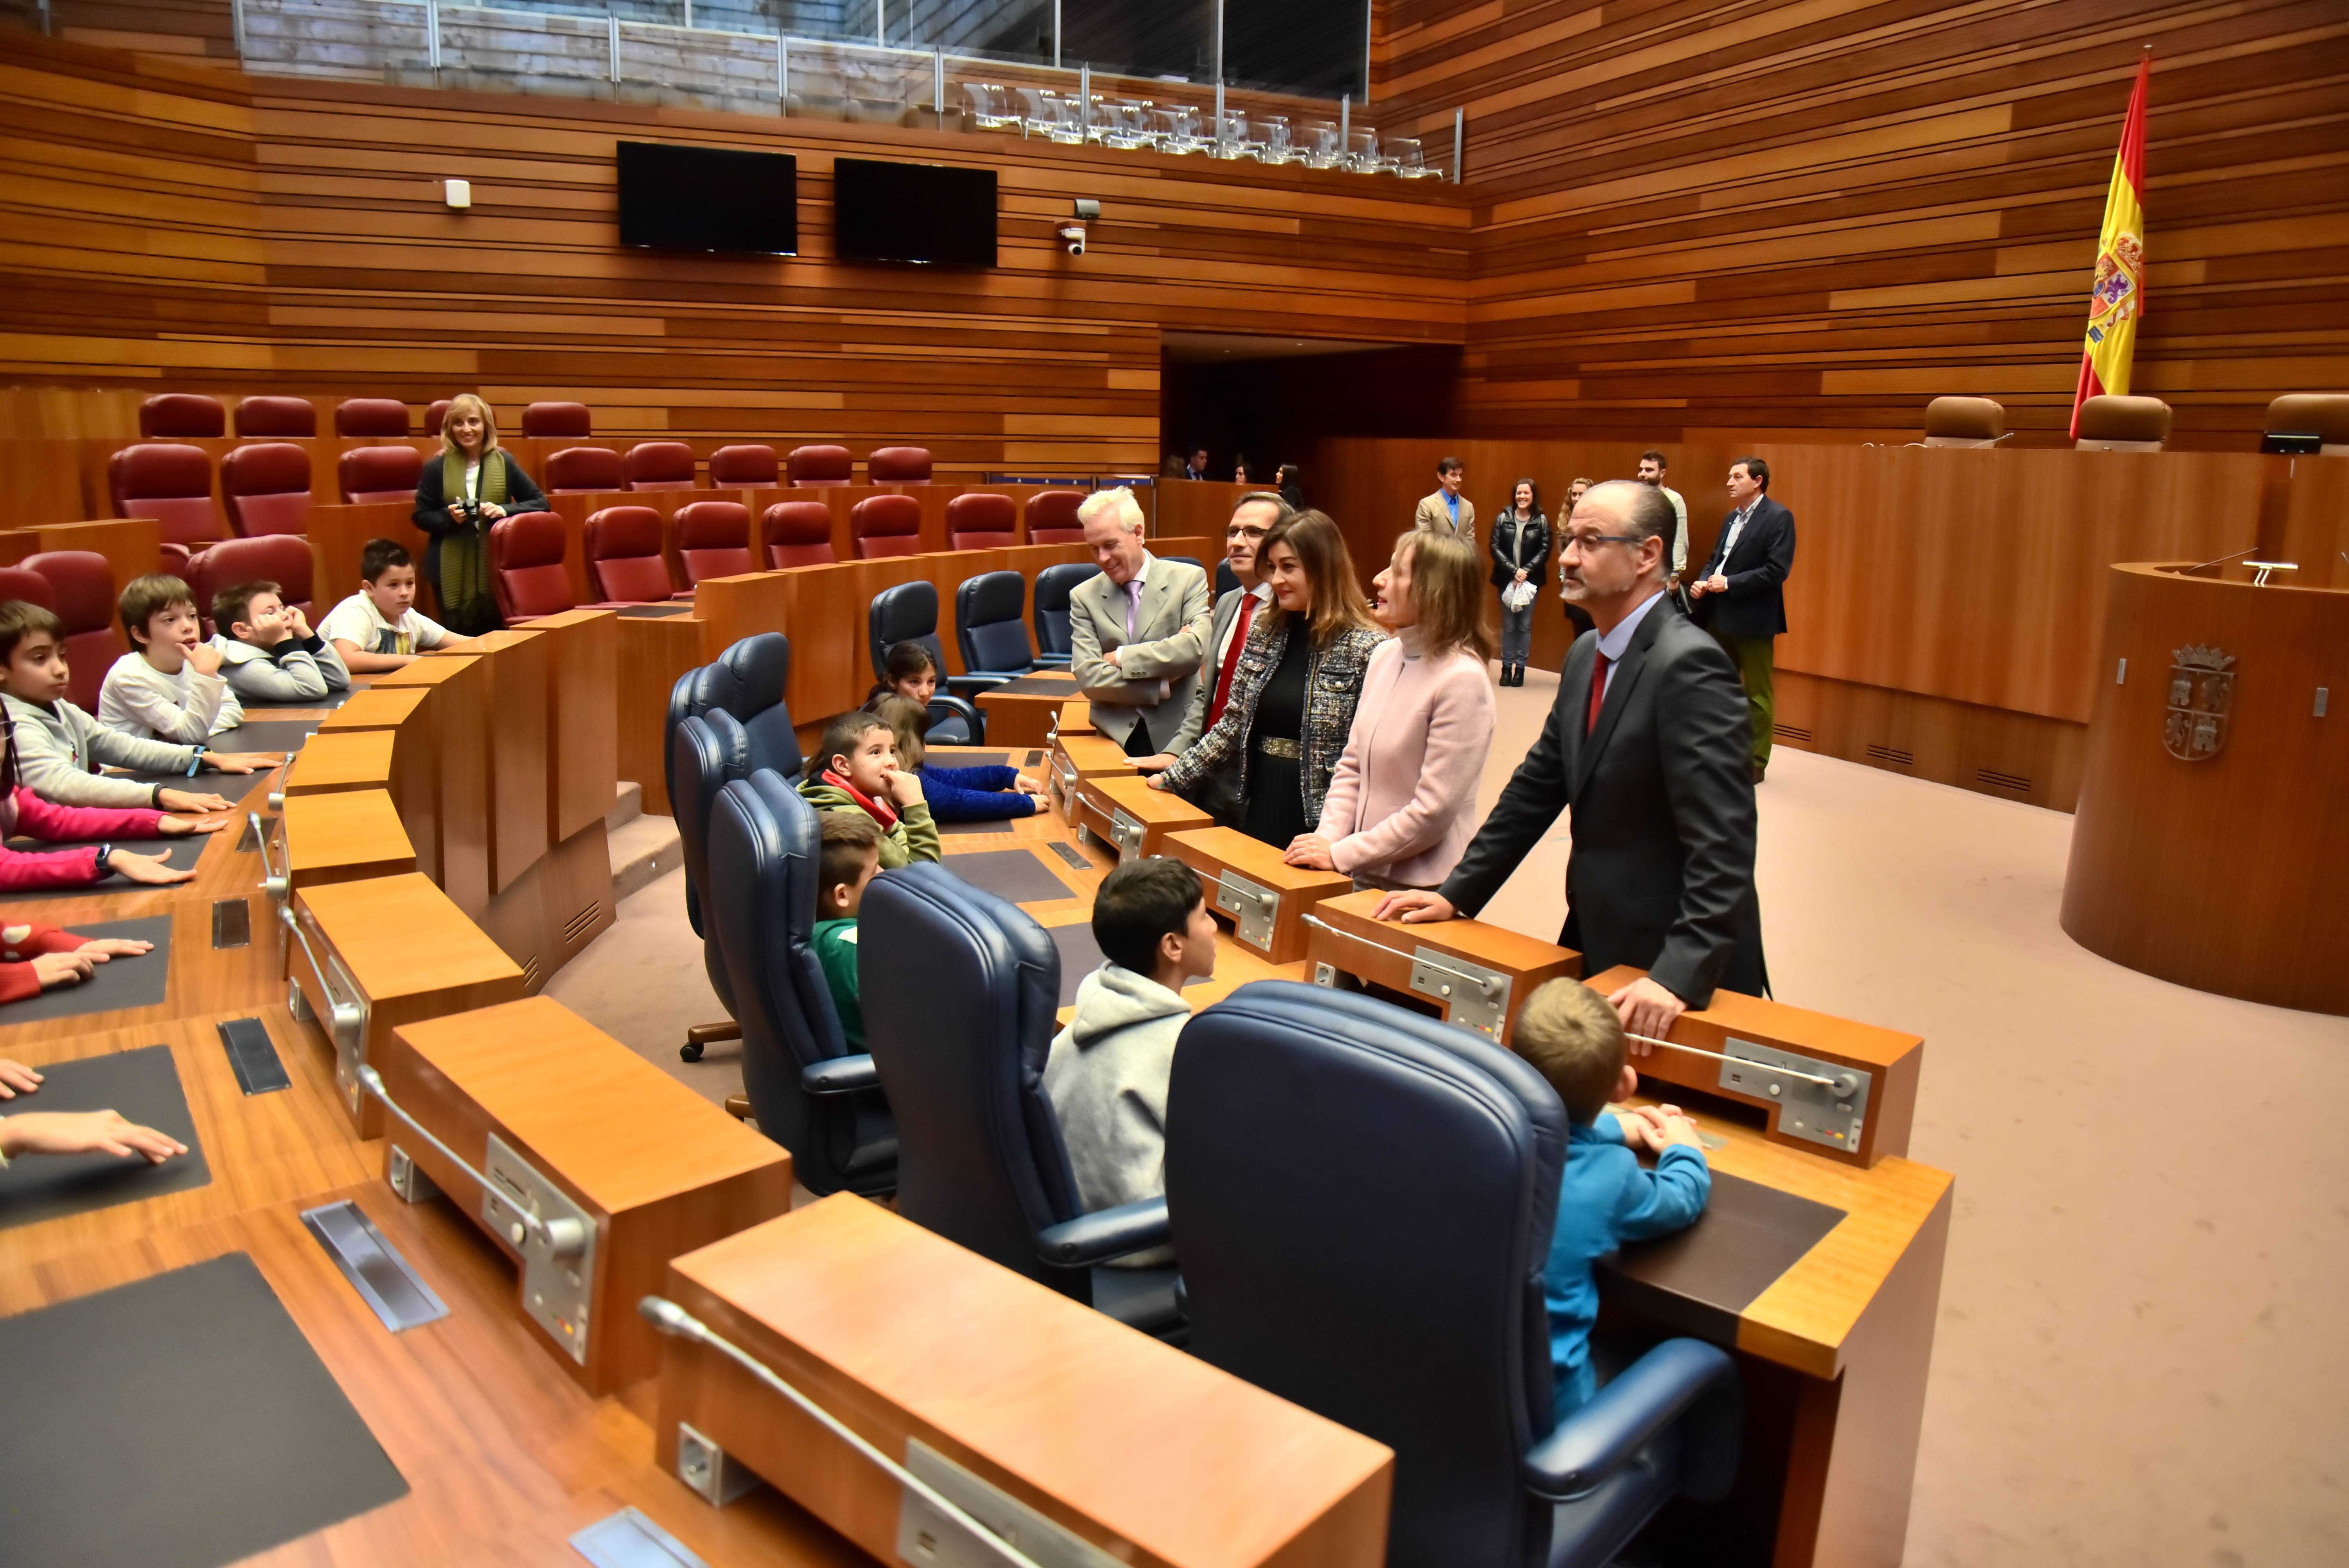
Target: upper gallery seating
x=1052, y=517
x=660, y=465
x=821, y=466
x=982, y=521
x=713, y=540
x=370, y=417
x=578, y=470
x=898, y=466
x=280, y=558
x=798, y=533
x=557, y=420
x=624, y=556
x=378, y=473
x=885, y=525
x=747, y=466
x=277, y=418
x=267, y=487
x=181, y=415
x=171, y=483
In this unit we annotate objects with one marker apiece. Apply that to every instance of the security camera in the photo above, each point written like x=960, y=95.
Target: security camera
x=1086, y=207
x=1074, y=236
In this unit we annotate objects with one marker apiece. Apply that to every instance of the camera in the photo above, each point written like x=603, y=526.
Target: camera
x=1074, y=236
x=469, y=512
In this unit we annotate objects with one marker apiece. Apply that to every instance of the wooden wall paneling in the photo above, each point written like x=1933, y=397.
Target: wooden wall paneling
x=339, y=536
x=455, y=716
x=1990, y=750
x=40, y=481
x=2317, y=522
x=582, y=713
x=133, y=546
x=652, y=652
x=1198, y=507
x=516, y=736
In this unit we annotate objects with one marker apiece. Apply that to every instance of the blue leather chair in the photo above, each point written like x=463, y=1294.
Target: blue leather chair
x=747, y=680
x=1225, y=578
x=1403, y=1297
x=990, y=628
x=1053, y=586
x=806, y=1091
x=909, y=612
x=961, y=1055
x=705, y=754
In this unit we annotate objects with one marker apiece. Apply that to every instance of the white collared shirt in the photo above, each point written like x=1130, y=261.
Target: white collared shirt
x=1262, y=594
x=1618, y=642
x=1736, y=527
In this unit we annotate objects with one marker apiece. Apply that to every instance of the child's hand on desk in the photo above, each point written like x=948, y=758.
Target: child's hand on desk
x=55, y=969
x=242, y=762
x=17, y=1078
x=188, y=801
x=85, y=1133
x=1681, y=1130
x=1643, y=1129
x=181, y=827
x=1026, y=785
x=152, y=869
x=99, y=949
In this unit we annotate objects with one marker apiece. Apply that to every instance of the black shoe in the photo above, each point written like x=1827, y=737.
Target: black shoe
x=1759, y=769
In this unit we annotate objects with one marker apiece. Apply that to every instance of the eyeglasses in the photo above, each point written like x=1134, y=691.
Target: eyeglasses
x=1586, y=542
x=1244, y=533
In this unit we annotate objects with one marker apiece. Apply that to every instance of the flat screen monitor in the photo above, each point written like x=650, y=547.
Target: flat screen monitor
x=721, y=199
x=2292, y=443
x=919, y=212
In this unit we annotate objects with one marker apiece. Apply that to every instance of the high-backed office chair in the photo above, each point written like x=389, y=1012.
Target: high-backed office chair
x=1225, y=578
x=797, y=534
x=982, y=521
x=558, y=421
x=990, y=628
x=378, y=473
x=909, y=612
x=885, y=525
x=1964, y=422
x=748, y=466
x=1403, y=1298
x=745, y=682
x=713, y=540
x=277, y=418
x=81, y=588
x=898, y=466
x=2122, y=425
x=659, y=465
x=436, y=415
x=19, y=583
x=280, y=558
x=624, y=565
x=1052, y=517
x=578, y=469
x=526, y=570
x=2324, y=415
x=1188, y=561
x=961, y=1056
x=267, y=487
x=821, y=466
x=807, y=1092
x=1053, y=586
x=371, y=417
x=182, y=416
x=173, y=484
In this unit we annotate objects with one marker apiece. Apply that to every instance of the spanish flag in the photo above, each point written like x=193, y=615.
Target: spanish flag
x=2118, y=297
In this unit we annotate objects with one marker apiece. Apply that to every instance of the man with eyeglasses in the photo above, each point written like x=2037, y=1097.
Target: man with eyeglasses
x=1649, y=743
x=1235, y=611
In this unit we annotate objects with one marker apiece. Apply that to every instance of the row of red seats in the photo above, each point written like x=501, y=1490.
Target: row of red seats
x=193, y=416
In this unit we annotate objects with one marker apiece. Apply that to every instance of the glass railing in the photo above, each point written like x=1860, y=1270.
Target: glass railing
x=635, y=53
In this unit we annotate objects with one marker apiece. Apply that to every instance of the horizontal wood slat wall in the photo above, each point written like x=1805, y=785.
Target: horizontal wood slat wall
x=1708, y=215
x=177, y=227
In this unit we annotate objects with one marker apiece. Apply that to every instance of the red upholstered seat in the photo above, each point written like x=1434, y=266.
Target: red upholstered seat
x=276, y=418
x=559, y=421
x=898, y=466
x=579, y=469
x=181, y=415
x=660, y=465
x=982, y=522
x=734, y=466
x=279, y=558
x=435, y=414
x=624, y=556
x=378, y=473
x=171, y=483
x=371, y=416
x=1052, y=517
x=821, y=466
x=798, y=533
x=17, y=583
x=267, y=487
x=885, y=525
x=83, y=589
x=526, y=566
x=713, y=540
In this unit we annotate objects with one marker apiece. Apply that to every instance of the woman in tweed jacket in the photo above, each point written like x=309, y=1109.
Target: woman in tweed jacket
x=1293, y=693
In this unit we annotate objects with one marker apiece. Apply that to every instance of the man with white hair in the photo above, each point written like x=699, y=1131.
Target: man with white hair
x=1139, y=631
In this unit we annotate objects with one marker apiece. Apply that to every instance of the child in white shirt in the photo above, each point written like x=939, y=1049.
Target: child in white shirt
x=378, y=628
x=169, y=686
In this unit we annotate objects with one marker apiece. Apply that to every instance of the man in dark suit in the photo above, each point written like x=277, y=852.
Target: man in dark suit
x=1741, y=596
x=1648, y=743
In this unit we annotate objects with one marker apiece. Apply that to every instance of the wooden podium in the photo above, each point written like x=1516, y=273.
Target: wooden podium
x=1478, y=976
x=1131, y=817
x=1078, y=756
x=2210, y=846
x=1247, y=883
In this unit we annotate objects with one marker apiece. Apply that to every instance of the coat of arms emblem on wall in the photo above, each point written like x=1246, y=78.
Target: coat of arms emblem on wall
x=2202, y=690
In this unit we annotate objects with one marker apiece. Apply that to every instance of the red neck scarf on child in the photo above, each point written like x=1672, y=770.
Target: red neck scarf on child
x=880, y=812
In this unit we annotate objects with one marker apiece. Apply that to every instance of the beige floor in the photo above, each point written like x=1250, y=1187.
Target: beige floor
x=2140, y=1358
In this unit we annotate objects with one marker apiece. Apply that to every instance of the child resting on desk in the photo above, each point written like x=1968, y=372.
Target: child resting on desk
x=60, y=747
x=169, y=685
x=1571, y=1035
x=850, y=858
x=855, y=770
x=956, y=794
x=1106, y=1075
x=74, y=1131
x=268, y=652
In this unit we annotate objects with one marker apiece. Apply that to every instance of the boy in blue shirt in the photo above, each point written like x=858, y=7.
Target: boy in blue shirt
x=1572, y=1037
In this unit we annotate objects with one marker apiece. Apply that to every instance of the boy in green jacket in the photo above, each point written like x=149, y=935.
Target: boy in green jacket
x=859, y=773
x=849, y=857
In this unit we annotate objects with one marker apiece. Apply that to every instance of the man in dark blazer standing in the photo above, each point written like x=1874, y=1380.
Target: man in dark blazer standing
x=1741, y=596
x=1648, y=743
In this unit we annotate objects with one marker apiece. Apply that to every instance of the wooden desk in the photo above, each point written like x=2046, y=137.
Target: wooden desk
x=656, y=1169
x=340, y=836
x=1024, y=712
x=909, y=1339
x=452, y=723
x=1132, y=817
x=1247, y=883
x=1080, y=755
x=343, y=760
x=1343, y=939
x=1075, y=717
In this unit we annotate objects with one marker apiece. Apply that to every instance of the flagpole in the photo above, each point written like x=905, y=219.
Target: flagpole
x=2116, y=296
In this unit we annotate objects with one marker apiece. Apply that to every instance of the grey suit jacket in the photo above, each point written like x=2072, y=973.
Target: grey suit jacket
x=1122, y=679
x=1436, y=518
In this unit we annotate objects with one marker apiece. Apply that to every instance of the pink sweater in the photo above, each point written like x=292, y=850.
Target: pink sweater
x=29, y=815
x=1403, y=804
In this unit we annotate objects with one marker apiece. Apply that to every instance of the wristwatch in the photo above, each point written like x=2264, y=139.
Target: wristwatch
x=105, y=858
x=156, y=801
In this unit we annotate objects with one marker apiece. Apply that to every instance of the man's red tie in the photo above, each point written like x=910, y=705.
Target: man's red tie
x=1231, y=659
x=1598, y=689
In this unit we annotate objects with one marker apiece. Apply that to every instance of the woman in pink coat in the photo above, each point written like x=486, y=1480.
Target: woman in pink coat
x=1403, y=804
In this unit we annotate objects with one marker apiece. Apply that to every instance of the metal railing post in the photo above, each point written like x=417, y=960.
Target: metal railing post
x=880, y=24
x=689, y=13
x=783, y=74
x=1085, y=99
x=1345, y=121
x=1219, y=109
x=431, y=38
x=1056, y=35
x=1219, y=66
x=1459, y=140
x=939, y=85
x=611, y=19
x=1367, y=30
x=235, y=20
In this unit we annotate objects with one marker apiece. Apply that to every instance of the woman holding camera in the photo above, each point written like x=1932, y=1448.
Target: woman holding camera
x=457, y=499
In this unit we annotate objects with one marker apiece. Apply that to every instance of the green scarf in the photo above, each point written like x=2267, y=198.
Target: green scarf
x=465, y=596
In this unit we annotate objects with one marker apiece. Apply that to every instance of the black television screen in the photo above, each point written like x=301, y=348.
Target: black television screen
x=913, y=213
x=709, y=199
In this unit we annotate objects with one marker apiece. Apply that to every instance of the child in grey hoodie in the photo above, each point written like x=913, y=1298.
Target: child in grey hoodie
x=1106, y=1075
x=268, y=652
